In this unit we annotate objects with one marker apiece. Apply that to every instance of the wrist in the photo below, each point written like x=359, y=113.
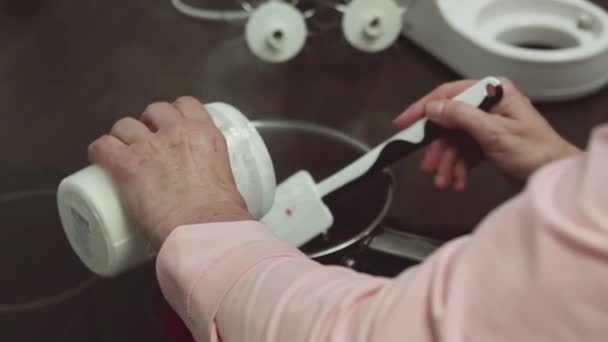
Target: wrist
x=232, y=213
x=219, y=212
x=565, y=150
x=560, y=150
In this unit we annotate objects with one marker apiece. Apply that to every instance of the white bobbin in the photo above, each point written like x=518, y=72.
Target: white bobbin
x=372, y=25
x=276, y=32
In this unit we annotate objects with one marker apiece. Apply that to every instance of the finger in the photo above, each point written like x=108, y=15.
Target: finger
x=159, y=115
x=129, y=130
x=107, y=151
x=461, y=175
x=443, y=179
x=191, y=108
x=416, y=110
x=514, y=103
x=432, y=155
x=480, y=125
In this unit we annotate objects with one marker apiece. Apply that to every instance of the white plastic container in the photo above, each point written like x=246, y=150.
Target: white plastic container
x=554, y=50
x=100, y=230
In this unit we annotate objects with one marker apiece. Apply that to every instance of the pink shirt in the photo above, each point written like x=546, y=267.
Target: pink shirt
x=536, y=269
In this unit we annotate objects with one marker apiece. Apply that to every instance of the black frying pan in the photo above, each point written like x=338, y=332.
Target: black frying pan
x=358, y=208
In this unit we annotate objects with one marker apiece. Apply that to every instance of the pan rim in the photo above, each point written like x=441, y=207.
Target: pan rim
x=315, y=128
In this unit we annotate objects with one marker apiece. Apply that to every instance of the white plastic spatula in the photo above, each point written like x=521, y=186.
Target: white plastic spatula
x=299, y=213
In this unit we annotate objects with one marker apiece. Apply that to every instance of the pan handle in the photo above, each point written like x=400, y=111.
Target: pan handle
x=410, y=247
x=389, y=250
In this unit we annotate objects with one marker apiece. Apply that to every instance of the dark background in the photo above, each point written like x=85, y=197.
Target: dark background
x=69, y=69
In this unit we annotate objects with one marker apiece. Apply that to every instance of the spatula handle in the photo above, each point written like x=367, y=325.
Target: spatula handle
x=484, y=94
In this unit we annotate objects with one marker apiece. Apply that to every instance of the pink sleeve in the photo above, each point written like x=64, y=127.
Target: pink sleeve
x=535, y=270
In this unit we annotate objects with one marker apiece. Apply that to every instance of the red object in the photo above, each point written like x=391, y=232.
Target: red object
x=172, y=323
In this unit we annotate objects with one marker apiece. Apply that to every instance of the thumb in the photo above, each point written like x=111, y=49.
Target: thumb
x=462, y=116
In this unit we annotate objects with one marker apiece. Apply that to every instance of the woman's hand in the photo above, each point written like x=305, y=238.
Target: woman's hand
x=514, y=136
x=171, y=168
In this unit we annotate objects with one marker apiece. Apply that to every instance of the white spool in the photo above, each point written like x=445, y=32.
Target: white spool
x=372, y=25
x=107, y=240
x=276, y=32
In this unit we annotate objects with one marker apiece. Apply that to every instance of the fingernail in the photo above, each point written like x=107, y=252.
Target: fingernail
x=434, y=109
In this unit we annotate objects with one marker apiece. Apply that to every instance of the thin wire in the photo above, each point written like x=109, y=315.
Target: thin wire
x=336, y=4
x=44, y=302
x=318, y=26
x=247, y=6
x=213, y=15
x=12, y=196
x=237, y=15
